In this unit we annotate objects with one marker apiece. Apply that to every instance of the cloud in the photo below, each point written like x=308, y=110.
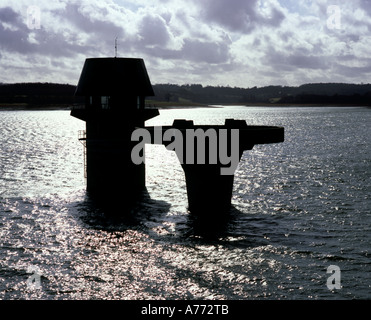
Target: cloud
x=153, y=31
x=83, y=19
x=17, y=37
x=366, y=6
x=13, y=32
x=208, y=52
x=307, y=62
x=240, y=15
x=353, y=72
x=217, y=42
x=7, y=14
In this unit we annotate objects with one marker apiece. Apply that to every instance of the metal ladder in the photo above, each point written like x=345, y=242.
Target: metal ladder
x=82, y=139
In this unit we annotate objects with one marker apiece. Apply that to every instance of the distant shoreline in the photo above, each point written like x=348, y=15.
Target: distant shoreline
x=168, y=105
x=265, y=104
x=26, y=107
x=54, y=96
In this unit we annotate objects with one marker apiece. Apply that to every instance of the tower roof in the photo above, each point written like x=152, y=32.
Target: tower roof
x=114, y=76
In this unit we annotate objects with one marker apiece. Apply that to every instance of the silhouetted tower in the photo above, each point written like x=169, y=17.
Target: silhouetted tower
x=115, y=91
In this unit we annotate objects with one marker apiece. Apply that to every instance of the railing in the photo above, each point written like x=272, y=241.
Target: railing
x=82, y=135
x=106, y=107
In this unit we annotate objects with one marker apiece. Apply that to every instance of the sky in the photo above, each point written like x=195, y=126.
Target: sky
x=237, y=43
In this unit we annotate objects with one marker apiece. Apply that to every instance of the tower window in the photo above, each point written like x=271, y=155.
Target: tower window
x=105, y=102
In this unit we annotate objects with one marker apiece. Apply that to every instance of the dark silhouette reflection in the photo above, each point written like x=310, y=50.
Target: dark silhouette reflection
x=105, y=214
x=209, y=227
x=114, y=214
x=230, y=228
x=213, y=224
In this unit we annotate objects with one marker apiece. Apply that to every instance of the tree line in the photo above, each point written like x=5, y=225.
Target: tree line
x=330, y=93
x=35, y=94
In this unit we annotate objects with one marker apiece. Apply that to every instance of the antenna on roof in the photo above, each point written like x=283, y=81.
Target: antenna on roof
x=116, y=47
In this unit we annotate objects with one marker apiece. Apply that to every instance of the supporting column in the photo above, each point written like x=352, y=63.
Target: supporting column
x=208, y=192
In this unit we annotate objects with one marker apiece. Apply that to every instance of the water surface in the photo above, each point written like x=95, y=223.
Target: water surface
x=299, y=207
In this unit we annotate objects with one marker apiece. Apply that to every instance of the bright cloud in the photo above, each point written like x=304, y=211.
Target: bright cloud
x=212, y=42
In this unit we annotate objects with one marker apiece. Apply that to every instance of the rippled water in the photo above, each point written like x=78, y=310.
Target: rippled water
x=299, y=207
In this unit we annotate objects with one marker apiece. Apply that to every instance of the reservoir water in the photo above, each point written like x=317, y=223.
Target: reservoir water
x=299, y=207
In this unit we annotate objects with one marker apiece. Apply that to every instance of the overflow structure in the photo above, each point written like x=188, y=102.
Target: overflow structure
x=115, y=90
x=209, y=156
